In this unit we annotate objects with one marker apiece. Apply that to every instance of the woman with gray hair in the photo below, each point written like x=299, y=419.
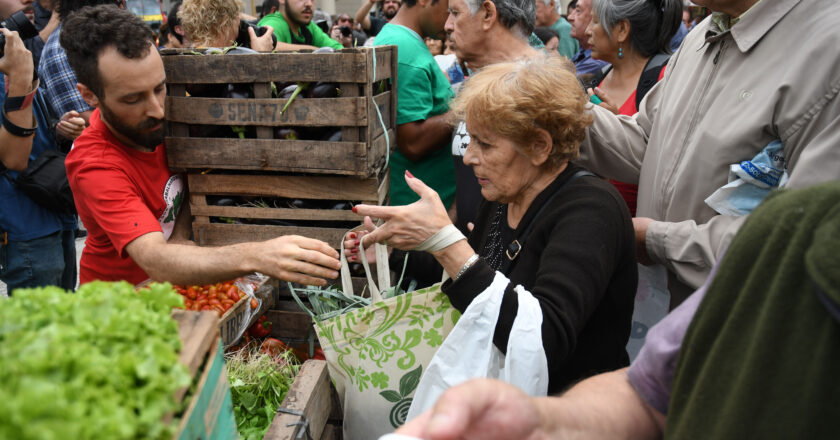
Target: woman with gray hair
x=634, y=37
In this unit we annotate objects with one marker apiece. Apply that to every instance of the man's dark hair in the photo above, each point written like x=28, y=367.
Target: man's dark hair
x=67, y=7
x=87, y=33
x=411, y=3
x=545, y=33
x=163, y=34
x=572, y=5
x=172, y=20
x=267, y=5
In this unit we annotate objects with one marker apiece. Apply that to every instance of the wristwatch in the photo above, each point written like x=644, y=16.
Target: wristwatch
x=16, y=130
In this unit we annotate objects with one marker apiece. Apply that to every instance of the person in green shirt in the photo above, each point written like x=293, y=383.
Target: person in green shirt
x=547, y=15
x=294, y=28
x=423, y=93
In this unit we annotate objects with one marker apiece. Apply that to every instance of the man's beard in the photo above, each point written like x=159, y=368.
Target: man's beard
x=389, y=14
x=295, y=17
x=138, y=134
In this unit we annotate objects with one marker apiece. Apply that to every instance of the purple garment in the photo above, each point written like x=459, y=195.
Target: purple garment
x=585, y=64
x=652, y=373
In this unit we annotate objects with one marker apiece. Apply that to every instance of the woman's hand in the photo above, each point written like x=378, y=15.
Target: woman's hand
x=606, y=102
x=407, y=226
x=351, y=247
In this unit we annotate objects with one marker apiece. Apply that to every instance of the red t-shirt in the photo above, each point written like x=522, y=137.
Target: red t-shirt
x=121, y=193
x=630, y=192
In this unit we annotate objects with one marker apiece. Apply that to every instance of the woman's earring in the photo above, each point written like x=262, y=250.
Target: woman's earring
x=620, y=53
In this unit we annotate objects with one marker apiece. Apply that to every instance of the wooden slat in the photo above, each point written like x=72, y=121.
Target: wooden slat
x=219, y=234
x=275, y=213
x=383, y=102
x=351, y=134
x=196, y=203
x=320, y=112
x=331, y=432
x=290, y=324
x=198, y=331
x=174, y=128
x=384, y=54
x=263, y=91
x=280, y=67
x=269, y=155
x=394, y=71
x=296, y=187
x=309, y=394
x=383, y=188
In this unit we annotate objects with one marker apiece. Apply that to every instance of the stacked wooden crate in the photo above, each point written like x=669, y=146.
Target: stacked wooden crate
x=257, y=166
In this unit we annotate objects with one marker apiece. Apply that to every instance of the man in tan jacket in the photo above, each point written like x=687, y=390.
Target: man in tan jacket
x=742, y=78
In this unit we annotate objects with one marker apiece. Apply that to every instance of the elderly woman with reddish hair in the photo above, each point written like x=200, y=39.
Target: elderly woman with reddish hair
x=562, y=233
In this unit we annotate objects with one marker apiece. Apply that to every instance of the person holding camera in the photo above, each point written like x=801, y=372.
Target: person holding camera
x=216, y=23
x=37, y=246
x=343, y=35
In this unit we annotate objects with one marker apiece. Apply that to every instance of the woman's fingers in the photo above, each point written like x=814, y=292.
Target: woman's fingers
x=417, y=185
x=383, y=212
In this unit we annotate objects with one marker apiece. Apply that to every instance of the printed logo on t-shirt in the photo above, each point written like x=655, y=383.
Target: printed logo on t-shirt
x=173, y=195
x=460, y=140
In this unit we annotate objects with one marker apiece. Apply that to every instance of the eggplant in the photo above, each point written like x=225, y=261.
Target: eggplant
x=324, y=90
x=286, y=133
x=286, y=92
x=239, y=91
x=334, y=136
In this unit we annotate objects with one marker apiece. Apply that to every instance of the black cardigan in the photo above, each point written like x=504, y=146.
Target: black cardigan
x=579, y=262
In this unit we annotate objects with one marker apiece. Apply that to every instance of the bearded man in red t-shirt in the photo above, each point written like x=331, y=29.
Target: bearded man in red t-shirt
x=133, y=206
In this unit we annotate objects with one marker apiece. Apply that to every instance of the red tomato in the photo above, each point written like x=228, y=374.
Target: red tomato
x=254, y=303
x=234, y=296
x=188, y=304
x=192, y=293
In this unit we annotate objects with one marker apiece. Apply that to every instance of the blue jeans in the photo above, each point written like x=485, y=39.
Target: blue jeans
x=45, y=261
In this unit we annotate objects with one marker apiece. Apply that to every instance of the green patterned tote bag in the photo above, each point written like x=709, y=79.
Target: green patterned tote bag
x=376, y=354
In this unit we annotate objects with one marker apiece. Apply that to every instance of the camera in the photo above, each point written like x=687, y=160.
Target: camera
x=244, y=40
x=345, y=31
x=17, y=22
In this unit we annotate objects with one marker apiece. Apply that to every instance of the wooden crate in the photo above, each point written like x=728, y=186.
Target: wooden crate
x=313, y=396
x=324, y=224
x=241, y=316
x=209, y=414
x=362, y=149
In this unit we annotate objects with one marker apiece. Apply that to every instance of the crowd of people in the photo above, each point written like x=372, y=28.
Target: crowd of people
x=553, y=150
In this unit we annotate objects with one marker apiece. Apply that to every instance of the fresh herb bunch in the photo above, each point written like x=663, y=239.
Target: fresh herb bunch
x=329, y=302
x=258, y=385
x=101, y=363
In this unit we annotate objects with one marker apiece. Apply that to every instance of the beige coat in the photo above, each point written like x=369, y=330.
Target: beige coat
x=724, y=97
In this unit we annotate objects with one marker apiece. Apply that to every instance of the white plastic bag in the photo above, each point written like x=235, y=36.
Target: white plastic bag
x=468, y=352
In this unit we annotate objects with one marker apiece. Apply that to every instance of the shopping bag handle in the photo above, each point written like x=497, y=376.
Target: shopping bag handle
x=383, y=271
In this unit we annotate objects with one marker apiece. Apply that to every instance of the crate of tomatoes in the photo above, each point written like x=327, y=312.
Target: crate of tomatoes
x=238, y=303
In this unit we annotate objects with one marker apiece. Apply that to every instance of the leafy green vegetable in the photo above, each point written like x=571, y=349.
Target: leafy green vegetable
x=258, y=384
x=329, y=302
x=101, y=363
